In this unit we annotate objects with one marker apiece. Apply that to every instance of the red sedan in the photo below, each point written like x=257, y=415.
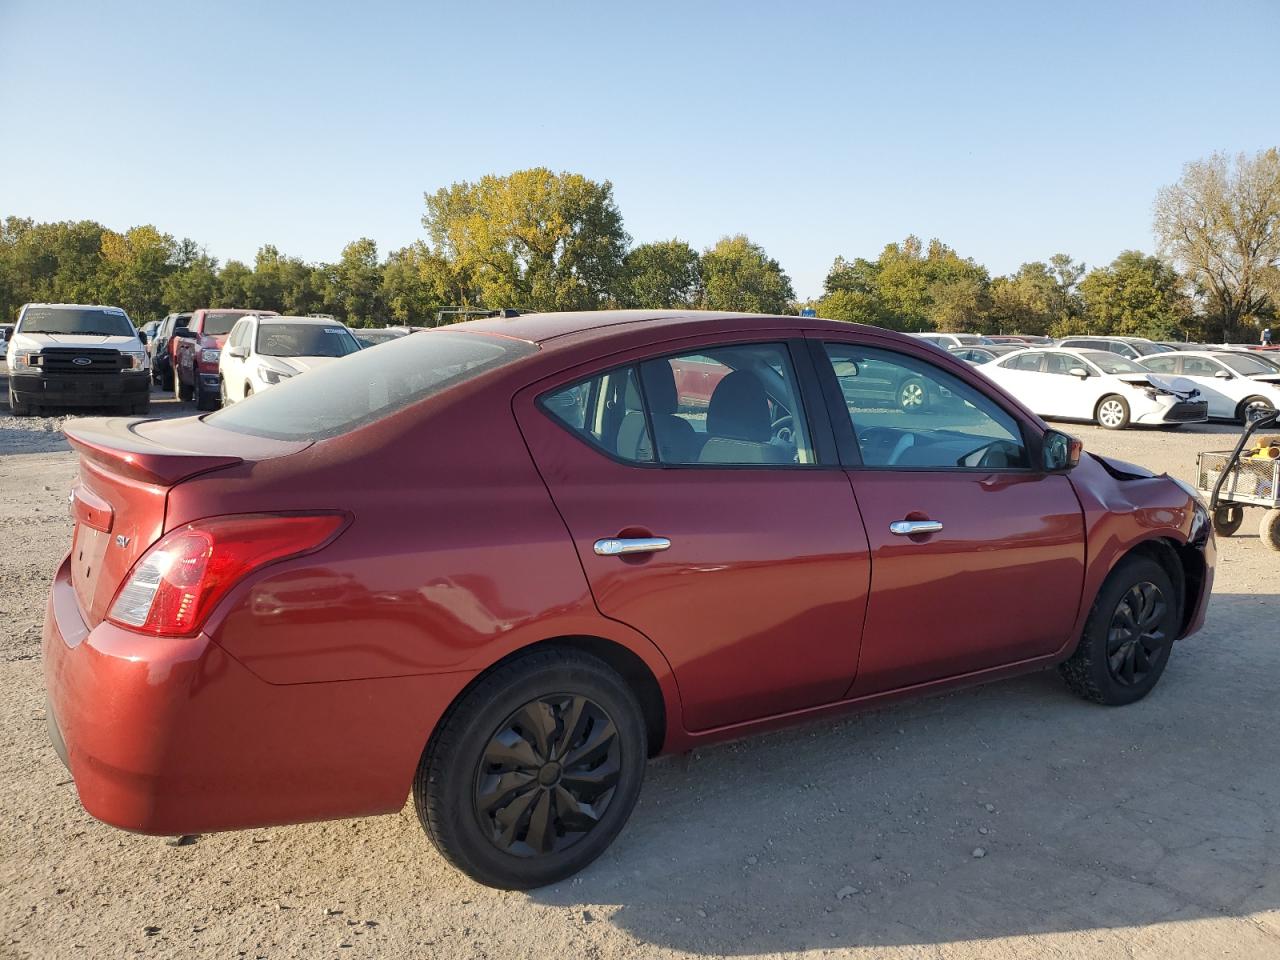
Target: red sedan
x=501, y=564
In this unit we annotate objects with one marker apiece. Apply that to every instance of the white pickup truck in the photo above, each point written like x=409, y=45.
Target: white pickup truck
x=76, y=355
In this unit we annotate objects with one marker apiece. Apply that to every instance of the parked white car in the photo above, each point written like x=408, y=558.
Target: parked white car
x=1096, y=385
x=1237, y=385
x=263, y=350
x=947, y=340
x=1131, y=348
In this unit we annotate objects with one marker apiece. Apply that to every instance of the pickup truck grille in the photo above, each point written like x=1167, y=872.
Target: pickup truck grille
x=71, y=361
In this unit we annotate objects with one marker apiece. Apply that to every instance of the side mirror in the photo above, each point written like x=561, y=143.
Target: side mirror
x=1060, y=451
x=182, y=333
x=1222, y=375
x=142, y=336
x=1080, y=372
x=238, y=352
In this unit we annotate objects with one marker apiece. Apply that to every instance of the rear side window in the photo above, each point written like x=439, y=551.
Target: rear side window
x=368, y=385
x=607, y=412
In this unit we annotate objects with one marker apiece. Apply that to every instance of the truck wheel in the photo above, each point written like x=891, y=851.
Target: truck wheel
x=205, y=400
x=1128, y=635
x=1269, y=529
x=184, y=391
x=1227, y=519
x=18, y=407
x=531, y=775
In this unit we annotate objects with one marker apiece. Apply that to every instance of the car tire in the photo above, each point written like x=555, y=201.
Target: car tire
x=1245, y=414
x=184, y=392
x=536, y=844
x=1112, y=412
x=222, y=392
x=204, y=400
x=18, y=408
x=1110, y=665
x=1269, y=529
x=913, y=395
x=142, y=407
x=166, y=379
x=1227, y=519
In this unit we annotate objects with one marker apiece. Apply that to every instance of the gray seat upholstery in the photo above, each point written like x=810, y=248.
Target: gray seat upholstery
x=633, y=431
x=677, y=441
x=738, y=424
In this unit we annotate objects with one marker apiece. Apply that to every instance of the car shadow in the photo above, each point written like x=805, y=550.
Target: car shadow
x=1009, y=809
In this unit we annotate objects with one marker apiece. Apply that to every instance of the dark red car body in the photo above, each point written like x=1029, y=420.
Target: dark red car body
x=313, y=687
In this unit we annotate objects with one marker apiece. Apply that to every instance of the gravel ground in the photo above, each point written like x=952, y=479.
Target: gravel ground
x=1139, y=832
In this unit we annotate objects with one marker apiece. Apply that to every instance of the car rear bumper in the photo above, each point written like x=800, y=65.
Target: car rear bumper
x=171, y=736
x=86, y=389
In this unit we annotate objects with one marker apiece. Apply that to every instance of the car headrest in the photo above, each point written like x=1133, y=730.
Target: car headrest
x=739, y=409
x=660, y=387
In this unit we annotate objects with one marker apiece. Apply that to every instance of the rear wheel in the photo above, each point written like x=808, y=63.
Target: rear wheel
x=1112, y=412
x=531, y=775
x=913, y=395
x=1253, y=408
x=1128, y=635
x=1227, y=519
x=1269, y=529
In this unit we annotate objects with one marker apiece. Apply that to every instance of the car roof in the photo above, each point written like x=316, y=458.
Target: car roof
x=581, y=326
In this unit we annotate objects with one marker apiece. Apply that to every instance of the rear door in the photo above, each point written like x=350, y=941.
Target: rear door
x=754, y=571
x=977, y=557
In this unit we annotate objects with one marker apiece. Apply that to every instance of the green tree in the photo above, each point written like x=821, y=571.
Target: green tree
x=738, y=275
x=1136, y=296
x=665, y=274
x=353, y=285
x=234, y=283
x=1220, y=223
x=1024, y=302
x=533, y=239
x=135, y=265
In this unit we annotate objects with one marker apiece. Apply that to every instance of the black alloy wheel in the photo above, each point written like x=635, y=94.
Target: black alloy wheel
x=547, y=775
x=1137, y=635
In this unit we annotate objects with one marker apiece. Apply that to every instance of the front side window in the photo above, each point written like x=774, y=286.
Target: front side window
x=1161, y=364
x=1199, y=367
x=909, y=414
x=1110, y=363
x=728, y=406
x=1063, y=363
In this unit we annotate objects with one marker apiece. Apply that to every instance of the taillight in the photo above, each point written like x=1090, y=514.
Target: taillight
x=178, y=581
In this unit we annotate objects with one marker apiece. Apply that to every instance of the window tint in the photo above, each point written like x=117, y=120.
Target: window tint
x=1062, y=363
x=1249, y=366
x=731, y=405
x=86, y=321
x=1024, y=361
x=1199, y=367
x=606, y=411
x=304, y=340
x=1161, y=364
x=908, y=413
x=368, y=386
x=734, y=405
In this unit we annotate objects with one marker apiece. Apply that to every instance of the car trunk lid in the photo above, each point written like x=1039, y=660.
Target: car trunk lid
x=127, y=469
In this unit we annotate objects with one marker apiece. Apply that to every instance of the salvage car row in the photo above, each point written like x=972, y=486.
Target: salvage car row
x=75, y=355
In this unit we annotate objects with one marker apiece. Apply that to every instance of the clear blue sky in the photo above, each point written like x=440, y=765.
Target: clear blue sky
x=1011, y=131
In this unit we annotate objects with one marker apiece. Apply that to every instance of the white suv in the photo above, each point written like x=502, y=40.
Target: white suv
x=76, y=355
x=261, y=351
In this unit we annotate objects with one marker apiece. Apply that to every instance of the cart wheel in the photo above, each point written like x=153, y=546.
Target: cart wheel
x=1227, y=519
x=1269, y=529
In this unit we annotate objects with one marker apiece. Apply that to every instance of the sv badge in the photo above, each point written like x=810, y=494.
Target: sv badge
x=121, y=540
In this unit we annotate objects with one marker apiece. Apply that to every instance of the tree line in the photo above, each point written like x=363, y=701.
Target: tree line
x=540, y=240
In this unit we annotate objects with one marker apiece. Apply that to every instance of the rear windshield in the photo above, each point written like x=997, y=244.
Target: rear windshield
x=89, y=321
x=304, y=340
x=367, y=386
x=219, y=324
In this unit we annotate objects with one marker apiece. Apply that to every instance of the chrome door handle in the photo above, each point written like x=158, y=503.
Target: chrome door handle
x=615, y=546
x=907, y=528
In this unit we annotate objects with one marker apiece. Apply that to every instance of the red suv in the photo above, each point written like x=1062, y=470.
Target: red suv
x=501, y=564
x=196, y=352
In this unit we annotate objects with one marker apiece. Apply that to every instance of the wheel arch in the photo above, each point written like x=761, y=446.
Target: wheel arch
x=618, y=657
x=1184, y=564
x=1244, y=404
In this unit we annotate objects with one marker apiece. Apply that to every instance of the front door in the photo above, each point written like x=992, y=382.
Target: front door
x=977, y=557
x=752, y=567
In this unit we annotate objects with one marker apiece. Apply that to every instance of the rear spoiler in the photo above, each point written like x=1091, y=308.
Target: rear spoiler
x=116, y=445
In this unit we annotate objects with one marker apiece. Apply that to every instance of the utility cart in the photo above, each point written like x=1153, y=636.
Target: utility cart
x=1249, y=475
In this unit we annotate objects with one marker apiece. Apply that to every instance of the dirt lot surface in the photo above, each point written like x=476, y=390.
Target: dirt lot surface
x=1146, y=831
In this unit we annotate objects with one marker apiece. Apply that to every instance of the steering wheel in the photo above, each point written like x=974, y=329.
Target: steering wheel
x=784, y=429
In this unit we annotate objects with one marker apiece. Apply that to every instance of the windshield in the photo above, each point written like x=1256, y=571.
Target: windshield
x=368, y=386
x=1112, y=363
x=1148, y=349
x=219, y=324
x=86, y=321
x=304, y=340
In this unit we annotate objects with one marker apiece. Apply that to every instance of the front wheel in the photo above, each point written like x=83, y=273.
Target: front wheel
x=205, y=400
x=531, y=775
x=184, y=391
x=1254, y=408
x=18, y=408
x=1112, y=412
x=1128, y=635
